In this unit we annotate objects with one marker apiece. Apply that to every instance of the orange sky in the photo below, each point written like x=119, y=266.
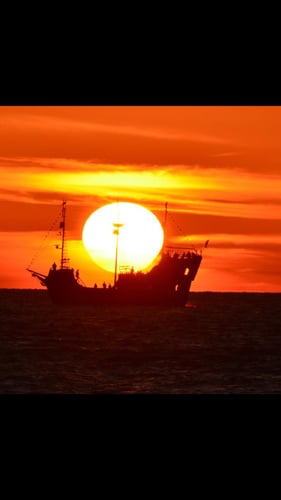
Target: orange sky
x=218, y=168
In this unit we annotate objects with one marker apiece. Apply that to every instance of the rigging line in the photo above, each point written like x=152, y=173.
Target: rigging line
x=39, y=250
x=181, y=231
x=176, y=224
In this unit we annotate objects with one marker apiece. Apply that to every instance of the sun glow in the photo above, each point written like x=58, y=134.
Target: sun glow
x=127, y=231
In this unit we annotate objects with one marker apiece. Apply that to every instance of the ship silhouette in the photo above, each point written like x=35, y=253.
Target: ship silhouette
x=166, y=284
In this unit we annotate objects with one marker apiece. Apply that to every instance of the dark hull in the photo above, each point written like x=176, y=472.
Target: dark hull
x=113, y=297
x=167, y=284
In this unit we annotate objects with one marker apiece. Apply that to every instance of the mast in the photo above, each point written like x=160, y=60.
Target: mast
x=117, y=226
x=62, y=226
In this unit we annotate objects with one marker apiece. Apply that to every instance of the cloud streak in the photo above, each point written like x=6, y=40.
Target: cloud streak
x=34, y=122
x=224, y=192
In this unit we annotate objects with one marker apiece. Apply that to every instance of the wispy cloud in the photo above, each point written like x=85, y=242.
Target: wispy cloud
x=45, y=122
x=223, y=192
x=256, y=241
x=226, y=154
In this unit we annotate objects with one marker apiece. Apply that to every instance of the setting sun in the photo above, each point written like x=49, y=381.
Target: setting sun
x=128, y=228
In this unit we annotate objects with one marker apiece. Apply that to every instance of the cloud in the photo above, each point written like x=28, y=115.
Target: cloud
x=83, y=135
x=252, y=201
x=34, y=122
x=210, y=137
x=256, y=242
x=225, y=193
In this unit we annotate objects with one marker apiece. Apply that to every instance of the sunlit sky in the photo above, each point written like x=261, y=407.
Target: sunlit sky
x=218, y=167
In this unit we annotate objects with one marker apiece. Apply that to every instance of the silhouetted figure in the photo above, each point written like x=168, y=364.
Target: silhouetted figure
x=77, y=274
x=104, y=284
x=109, y=286
x=54, y=266
x=95, y=285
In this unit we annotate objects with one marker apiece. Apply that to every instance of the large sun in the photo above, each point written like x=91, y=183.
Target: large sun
x=125, y=233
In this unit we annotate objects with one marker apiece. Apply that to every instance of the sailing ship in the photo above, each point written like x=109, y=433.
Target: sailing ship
x=166, y=284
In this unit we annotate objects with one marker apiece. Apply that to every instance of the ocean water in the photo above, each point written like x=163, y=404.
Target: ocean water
x=221, y=343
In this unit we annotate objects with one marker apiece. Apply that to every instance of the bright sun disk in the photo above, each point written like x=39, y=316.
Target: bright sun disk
x=140, y=237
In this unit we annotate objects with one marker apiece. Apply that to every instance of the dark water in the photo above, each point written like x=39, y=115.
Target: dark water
x=222, y=343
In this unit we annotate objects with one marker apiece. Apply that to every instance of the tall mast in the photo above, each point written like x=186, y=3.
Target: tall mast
x=117, y=227
x=62, y=226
